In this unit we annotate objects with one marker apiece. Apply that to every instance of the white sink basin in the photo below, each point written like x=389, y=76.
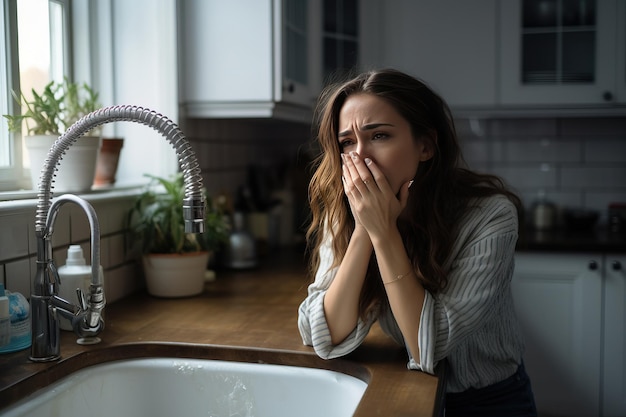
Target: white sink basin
x=169, y=387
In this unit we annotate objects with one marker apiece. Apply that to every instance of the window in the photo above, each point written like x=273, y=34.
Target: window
x=35, y=34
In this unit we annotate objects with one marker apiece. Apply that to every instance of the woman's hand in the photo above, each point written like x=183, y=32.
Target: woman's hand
x=376, y=207
x=373, y=203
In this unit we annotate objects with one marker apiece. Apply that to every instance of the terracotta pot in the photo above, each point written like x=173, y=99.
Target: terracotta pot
x=108, y=159
x=175, y=275
x=76, y=169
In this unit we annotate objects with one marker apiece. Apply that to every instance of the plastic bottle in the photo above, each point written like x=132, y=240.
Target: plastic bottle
x=5, y=318
x=19, y=310
x=74, y=274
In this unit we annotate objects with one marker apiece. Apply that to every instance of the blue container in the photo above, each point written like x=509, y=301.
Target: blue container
x=19, y=309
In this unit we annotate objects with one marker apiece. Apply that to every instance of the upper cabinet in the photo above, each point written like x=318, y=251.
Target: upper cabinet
x=560, y=52
x=246, y=58
x=450, y=44
x=260, y=58
x=507, y=57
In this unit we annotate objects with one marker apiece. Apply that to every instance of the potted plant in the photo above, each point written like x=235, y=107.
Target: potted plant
x=174, y=262
x=49, y=114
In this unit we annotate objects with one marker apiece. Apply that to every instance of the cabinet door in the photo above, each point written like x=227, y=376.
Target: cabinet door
x=247, y=58
x=614, y=388
x=294, y=62
x=227, y=51
x=450, y=44
x=558, y=52
x=621, y=52
x=558, y=299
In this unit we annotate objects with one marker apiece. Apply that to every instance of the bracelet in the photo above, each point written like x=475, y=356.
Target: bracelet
x=397, y=278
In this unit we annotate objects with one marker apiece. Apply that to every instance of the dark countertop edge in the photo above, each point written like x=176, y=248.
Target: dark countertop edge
x=560, y=240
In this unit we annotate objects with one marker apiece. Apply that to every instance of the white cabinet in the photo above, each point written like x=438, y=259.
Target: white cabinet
x=450, y=44
x=571, y=308
x=559, y=299
x=621, y=56
x=483, y=60
x=561, y=52
x=614, y=387
x=248, y=58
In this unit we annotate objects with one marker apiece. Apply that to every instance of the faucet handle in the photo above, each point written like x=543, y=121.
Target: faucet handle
x=82, y=299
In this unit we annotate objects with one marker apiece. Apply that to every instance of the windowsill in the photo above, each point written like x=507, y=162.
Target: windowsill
x=22, y=199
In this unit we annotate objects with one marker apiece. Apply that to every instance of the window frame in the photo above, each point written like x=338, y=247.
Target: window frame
x=15, y=177
x=11, y=176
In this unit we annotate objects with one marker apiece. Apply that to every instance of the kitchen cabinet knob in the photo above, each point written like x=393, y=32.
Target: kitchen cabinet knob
x=593, y=265
x=617, y=265
x=607, y=96
x=291, y=88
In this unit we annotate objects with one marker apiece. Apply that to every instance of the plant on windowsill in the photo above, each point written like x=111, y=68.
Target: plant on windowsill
x=174, y=262
x=46, y=116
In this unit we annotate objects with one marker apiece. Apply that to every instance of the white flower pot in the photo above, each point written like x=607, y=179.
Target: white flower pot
x=175, y=275
x=77, y=168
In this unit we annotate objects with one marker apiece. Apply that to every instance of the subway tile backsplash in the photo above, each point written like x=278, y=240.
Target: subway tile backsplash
x=18, y=245
x=228, y=147
x=575, y=163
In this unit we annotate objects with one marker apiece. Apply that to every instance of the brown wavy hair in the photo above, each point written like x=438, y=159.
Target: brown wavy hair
x=427, y=225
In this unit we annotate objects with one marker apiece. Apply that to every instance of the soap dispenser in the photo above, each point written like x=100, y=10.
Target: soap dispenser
x=74, y=274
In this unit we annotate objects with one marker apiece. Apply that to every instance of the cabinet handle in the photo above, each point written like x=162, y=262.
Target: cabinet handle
x=593, y=265
x=607, y=96
x=617, y=265
x=291, y=88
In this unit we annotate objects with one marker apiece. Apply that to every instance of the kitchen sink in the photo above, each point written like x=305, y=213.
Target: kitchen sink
x=169, y=386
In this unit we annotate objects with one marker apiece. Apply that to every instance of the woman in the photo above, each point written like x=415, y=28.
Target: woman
x=402, y=233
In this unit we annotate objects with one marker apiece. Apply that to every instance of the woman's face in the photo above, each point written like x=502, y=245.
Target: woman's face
x=371, y=127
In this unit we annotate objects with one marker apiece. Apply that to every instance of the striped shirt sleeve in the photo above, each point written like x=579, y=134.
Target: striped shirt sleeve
x=312, y=321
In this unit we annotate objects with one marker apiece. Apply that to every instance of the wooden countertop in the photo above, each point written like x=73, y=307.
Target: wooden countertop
x=244, y=315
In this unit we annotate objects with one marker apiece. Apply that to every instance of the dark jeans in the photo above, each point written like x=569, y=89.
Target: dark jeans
x=512, y=397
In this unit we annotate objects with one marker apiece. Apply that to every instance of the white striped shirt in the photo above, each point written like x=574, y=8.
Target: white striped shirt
x=471, y=322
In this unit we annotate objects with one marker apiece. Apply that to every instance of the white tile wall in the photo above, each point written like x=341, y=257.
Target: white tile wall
x=225, y=148
x=17, y=275
x=525, y=176
x=605, y=150
x=14, y=236
x=539, y=150
x=575, y=162
x=18, y=246
x=592, y=177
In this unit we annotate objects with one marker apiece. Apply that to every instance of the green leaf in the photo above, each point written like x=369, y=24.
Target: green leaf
x=55, y=109
x=157, y=220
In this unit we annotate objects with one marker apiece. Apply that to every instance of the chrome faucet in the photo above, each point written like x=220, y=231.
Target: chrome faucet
x=86, y=316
